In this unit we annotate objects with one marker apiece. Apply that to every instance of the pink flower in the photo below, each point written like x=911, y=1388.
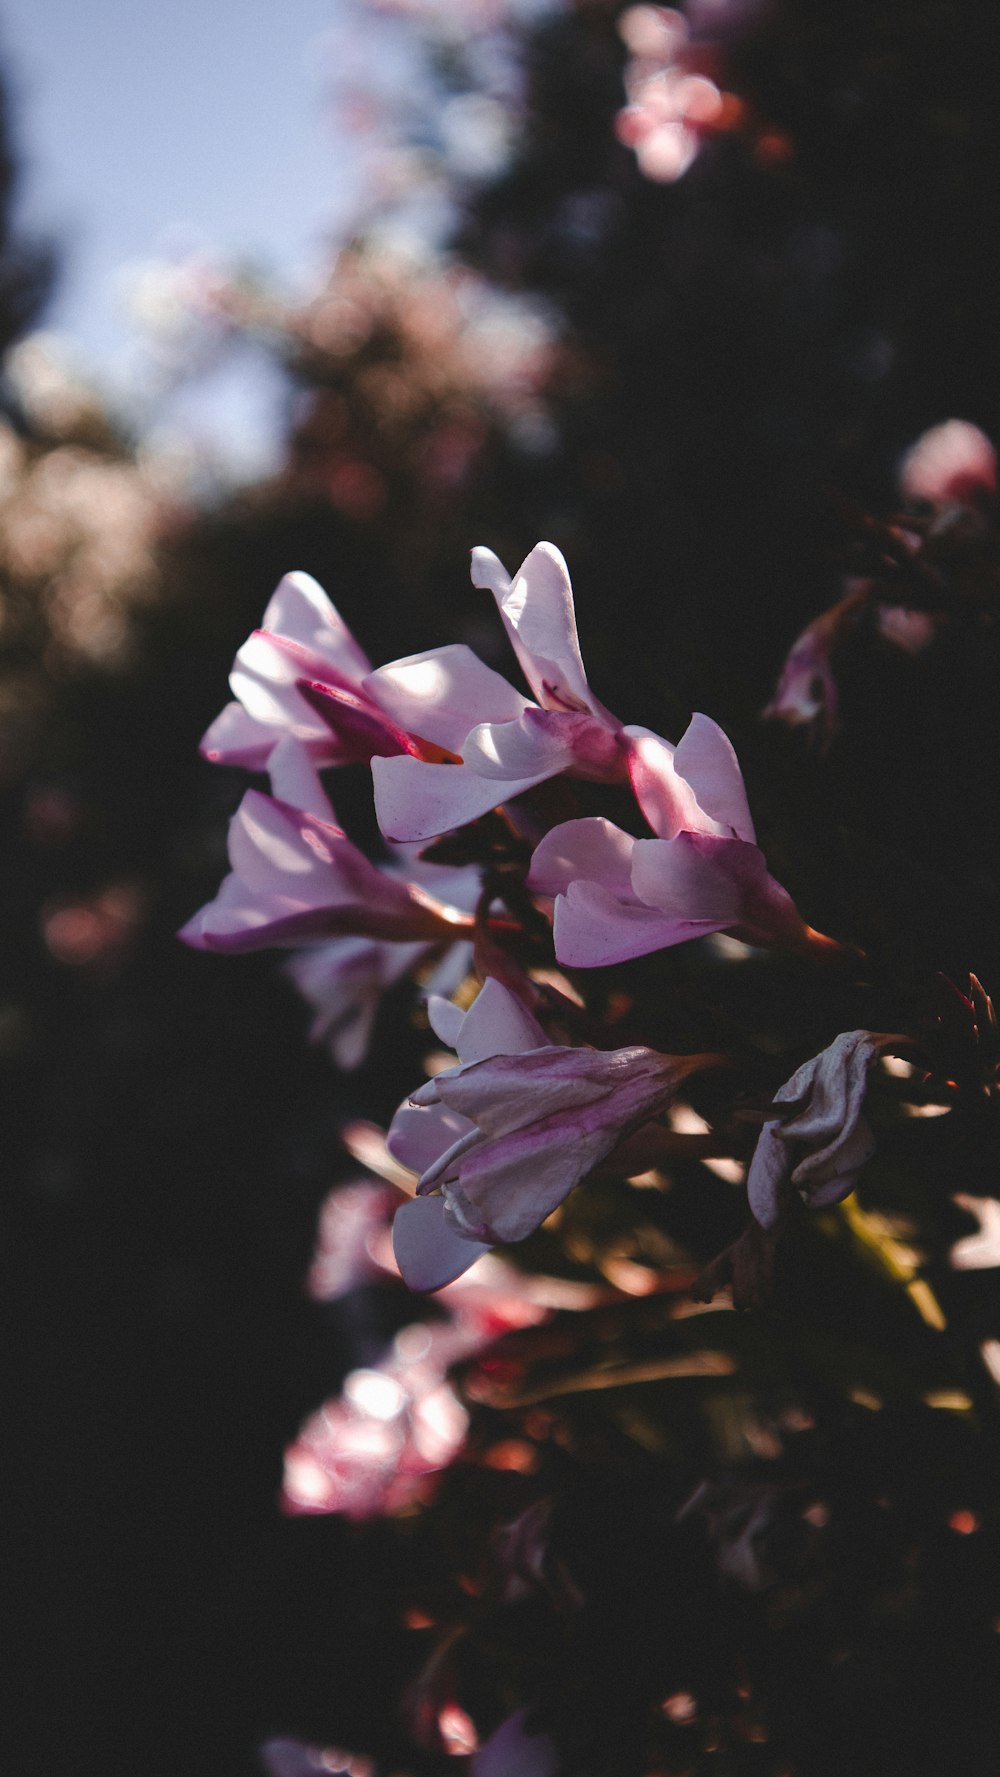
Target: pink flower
x=951, y=465
x=514, y=1132
x=301, y=674
x=506, y=743
x=297, y=877
x=619, y=897
x=823, y=1144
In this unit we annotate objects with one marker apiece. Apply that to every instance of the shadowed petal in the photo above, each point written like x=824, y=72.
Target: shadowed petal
x=593, y=929
x=428, y=1251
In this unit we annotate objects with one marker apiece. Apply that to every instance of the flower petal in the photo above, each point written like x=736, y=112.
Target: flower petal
x=665, y=797
x=538, y=615
x=592, y=850
x=295, y=780
x=301, y=610
x=442, y=694
x=419, y=1134
x=706, y=757
x=545, y=741
x=511, y=1751
x=415, y=800
x=593, y=928
x=235, y=738
x=497, y=1023
x=679, y=877
x=428, y=1251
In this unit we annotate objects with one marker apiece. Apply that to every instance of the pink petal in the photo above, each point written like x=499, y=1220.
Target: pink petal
x=665, y=797
x=677, y=877
x=706, y=757
x=445, y=1019
x=235, y=738
x=441, y=695
x=360, y=729
x=953, y=463
x=508, y=1187
x=545, y=742
x=592, y=850
x=428, y=1251
x=593, y=928
x=419, y=1134
x=497, y=1023
x=295, y=780
x=301, y=610
x=538, y=615
x=294, y=877
x=416, y=800
x=265, y=676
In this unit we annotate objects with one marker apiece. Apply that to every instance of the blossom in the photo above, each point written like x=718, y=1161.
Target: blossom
x=301, y=675
x=517, y=1124
x=822, y=1144
x=619, y=897
x=950, y=465
x=505, y=742
x=296, y=876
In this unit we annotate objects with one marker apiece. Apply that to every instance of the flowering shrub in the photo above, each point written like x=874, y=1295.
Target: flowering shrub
x=541, y=862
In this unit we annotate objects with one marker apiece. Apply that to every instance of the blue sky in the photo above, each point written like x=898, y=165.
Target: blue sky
x=144, y=129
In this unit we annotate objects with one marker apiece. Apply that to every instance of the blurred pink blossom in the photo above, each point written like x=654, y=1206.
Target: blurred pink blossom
x=950, y=465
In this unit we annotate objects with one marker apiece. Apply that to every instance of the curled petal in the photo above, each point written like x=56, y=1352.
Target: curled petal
x=822, y=1147
x=677, y=877
x=706, y=757
x=538, y=615
x=665, y=797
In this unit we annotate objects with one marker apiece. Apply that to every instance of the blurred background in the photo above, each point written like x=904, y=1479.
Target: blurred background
x=350, y=286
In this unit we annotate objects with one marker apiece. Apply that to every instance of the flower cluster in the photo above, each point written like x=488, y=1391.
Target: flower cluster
x=503, y=896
